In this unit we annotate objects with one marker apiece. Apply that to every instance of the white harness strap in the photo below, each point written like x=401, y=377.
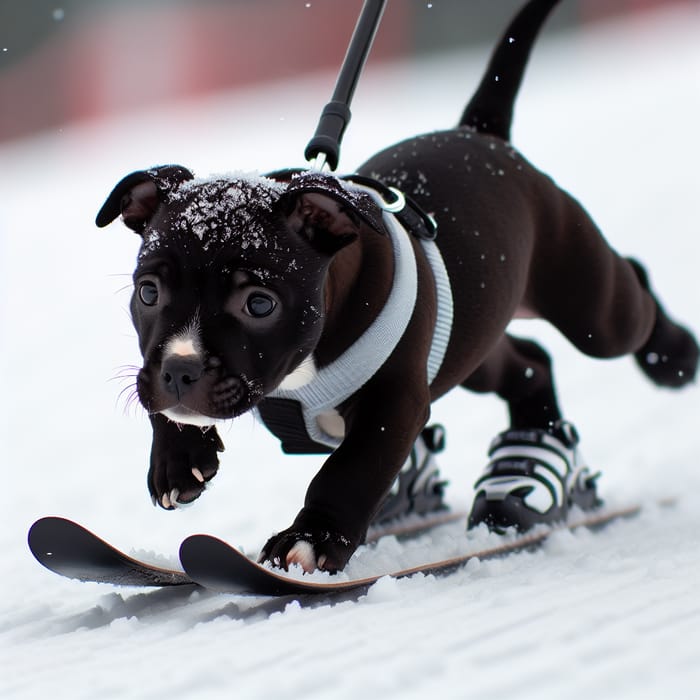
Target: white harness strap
x=336, y=382
x=445, y=309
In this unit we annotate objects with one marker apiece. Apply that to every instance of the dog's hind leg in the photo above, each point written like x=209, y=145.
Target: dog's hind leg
x=603, y=303
x=520, y=372
x=670, y=355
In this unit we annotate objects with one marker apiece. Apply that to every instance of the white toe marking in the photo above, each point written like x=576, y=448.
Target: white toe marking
x=302, y=553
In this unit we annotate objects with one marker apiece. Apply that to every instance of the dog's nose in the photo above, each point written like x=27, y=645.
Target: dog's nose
x=180, y=372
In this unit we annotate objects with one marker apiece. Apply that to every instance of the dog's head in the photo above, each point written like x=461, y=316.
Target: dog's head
x=229, y=285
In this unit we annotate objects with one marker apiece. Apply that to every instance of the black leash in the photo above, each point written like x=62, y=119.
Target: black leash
x=324, y=147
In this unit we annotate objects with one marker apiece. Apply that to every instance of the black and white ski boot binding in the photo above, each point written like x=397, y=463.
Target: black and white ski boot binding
x=533, y=477
x=417, y=489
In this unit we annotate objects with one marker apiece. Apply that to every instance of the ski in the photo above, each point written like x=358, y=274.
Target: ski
x=218, y=566
x=413, y=525
x=69, y=549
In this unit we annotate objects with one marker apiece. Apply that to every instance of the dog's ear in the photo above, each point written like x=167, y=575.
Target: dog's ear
x=137, y=196
x=329, y=214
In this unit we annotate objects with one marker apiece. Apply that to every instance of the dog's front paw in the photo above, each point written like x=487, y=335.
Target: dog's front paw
x=309, y=548
x=183, y=459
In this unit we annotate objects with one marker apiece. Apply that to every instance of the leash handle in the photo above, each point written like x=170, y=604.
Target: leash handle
x=324, y=147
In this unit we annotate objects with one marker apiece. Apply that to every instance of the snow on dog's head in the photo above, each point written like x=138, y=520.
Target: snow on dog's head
x=224, y=210
x=247, y=257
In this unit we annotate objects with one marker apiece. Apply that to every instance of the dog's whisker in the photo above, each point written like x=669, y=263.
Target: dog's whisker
x=129, y=398
x=121, y=290
x=134, y=405
x=127, y=311
x=127, y=368
x=124, y=376
x=127, y=371
x=129, y=389
x=127, y=403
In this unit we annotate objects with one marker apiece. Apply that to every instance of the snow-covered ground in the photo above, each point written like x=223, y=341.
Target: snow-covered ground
x=612, y=114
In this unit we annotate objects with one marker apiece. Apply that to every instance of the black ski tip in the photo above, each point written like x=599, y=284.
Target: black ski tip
x=68, y=549
x=216, y=565
x=45, y=539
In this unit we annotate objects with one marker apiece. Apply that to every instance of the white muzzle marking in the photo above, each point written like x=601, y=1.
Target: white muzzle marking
x=186, y=343
x=182, y=415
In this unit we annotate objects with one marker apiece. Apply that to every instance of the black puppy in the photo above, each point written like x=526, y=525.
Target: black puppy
x=302, y=297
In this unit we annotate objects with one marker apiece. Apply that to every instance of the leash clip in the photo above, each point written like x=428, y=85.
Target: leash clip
x=397, y=205
x=400, y=204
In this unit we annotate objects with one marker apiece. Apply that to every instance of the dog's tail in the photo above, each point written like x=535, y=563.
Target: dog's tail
x=490, y=110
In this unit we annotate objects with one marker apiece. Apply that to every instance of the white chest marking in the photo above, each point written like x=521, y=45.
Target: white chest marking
x=302, y=375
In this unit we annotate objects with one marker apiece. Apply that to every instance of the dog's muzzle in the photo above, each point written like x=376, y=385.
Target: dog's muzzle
x=187, y=390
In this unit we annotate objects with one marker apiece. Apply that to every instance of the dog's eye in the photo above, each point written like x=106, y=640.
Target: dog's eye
x=260, y=305
x=148, y=293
